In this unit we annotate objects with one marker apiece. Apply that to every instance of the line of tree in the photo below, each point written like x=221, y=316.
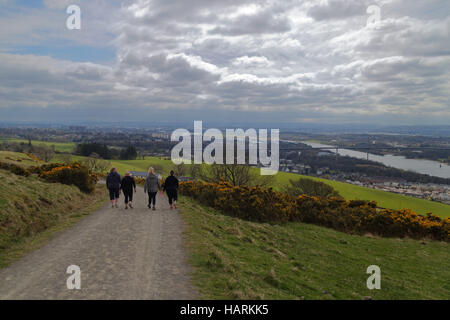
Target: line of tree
x=103, y=151
x=86, y=149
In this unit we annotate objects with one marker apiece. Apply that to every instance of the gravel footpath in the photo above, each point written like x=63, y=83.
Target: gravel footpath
x=122, y=254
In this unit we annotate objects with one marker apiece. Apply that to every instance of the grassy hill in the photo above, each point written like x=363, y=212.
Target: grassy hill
x=20, y=159
x=31, y=210
x=236, y=259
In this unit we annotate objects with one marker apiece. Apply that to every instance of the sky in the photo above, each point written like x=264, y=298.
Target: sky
x=284, y=61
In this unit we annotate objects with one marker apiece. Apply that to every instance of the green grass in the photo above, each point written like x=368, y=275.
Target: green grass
x=31, y=211
x=20, y=159
x=236, y=259
x=59, y=146
x=383, y=198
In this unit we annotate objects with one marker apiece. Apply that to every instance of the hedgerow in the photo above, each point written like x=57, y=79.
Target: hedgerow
x=73, y=174
x=351, y=216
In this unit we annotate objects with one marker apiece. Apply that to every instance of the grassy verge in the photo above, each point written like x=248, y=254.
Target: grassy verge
x=236, y=259
x=31, y=211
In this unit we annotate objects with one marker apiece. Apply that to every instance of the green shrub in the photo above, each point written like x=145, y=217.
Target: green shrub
x=74, y=174
x=18, y=170
x=356, y=216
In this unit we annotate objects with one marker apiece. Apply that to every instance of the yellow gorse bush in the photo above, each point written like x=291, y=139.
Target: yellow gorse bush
x=351, y=216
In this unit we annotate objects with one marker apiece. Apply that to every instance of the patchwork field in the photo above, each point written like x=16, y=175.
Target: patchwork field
x=59, y=146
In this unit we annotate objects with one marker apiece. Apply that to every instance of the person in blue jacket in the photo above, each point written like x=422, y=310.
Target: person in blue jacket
x=113, y=181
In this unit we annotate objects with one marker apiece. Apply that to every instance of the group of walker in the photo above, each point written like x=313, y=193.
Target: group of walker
x=116, y=185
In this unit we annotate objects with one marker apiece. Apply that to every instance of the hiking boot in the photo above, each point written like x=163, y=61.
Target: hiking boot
x=154, y=208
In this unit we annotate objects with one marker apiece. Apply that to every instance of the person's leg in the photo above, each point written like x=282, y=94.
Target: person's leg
x=170, y=196
x=149, y=200
x=117, y=197
x=130, y=199
x=111, y=197
x=154, y=199
x=175, y=198
x=125, y=195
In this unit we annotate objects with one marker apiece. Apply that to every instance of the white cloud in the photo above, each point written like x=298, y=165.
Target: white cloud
x=302, y=57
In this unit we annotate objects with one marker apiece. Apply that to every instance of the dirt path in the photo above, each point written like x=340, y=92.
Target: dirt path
x=122, y=254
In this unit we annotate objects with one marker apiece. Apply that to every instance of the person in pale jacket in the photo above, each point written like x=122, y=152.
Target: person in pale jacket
x=152, y=186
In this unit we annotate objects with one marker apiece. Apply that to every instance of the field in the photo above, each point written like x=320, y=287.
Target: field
x=236, y=259
x=59, y=146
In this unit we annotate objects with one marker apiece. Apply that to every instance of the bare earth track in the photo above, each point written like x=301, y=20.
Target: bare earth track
x=123, y=254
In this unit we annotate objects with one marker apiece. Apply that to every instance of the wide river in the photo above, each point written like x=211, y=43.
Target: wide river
x=433, y=168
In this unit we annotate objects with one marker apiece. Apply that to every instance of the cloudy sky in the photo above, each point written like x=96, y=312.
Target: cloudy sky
x=314, y=61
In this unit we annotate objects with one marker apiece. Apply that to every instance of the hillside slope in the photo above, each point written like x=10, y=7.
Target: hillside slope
x=29, y=206
x=236, y=259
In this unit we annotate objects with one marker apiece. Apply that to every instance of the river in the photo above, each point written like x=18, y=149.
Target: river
x=432, y=168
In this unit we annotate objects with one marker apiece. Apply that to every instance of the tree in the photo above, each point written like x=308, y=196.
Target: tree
x=180, y=170
x=141, y=155
x=195, y=171
x=129, y=153
x=86, y=149
x=235, y=174
x=310, y=187
x=66, y=158
x=43, y=152
x=95, y=164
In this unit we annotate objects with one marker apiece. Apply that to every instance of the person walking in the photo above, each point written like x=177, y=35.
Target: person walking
x=128, y=185
x=171, y=187
x=151, y=186
x=113, y=181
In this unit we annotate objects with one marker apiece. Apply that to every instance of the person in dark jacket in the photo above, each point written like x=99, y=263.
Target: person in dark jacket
x=171, y=187
x=113, y=181
x=128, y=185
